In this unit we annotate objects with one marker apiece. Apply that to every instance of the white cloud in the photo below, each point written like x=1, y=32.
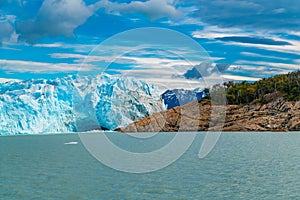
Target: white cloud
x=296, y=33
x=279, y=15
x=142, y=62
x=80, y=58
x=154, y=9
x=55, y=18
x=53, y=45
x=279, y=10
x=253, y=69
x=41, y=67
x=4, y=80
x=239, y=78
x=62, y=17
x=77, y=47
x=215, y=32
x=212, y=32
x=7, y=29
x=256, y=55
x=294, y=48
x=286, y=66
x=68, y=55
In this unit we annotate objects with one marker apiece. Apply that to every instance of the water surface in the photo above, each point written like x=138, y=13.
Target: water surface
x=241, y=166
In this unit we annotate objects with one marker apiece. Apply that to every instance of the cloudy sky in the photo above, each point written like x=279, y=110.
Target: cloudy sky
x=52, y=38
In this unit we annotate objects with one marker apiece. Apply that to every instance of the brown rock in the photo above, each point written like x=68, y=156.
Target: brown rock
x=275, y=114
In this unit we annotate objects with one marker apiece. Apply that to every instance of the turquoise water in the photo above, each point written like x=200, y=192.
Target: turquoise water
x=241, y=166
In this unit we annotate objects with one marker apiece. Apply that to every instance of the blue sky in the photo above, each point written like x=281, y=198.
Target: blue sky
x=52, y=38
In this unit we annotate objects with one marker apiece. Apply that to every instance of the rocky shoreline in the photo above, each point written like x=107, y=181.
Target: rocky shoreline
x=274, y=113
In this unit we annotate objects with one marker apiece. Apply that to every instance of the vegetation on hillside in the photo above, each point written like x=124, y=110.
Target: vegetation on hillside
x=287, y=85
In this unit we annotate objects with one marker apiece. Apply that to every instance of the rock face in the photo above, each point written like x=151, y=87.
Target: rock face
x=274, y=114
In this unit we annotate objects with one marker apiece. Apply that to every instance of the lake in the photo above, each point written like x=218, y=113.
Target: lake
x=241, y=166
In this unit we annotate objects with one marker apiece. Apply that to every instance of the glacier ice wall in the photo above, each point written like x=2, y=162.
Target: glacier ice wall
x=36, y=106
x=74, y=103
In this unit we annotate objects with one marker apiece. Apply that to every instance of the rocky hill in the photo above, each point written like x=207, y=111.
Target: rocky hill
x=273, y=114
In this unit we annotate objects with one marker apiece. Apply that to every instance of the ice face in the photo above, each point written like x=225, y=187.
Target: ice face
x=74, y=103
x=36, y=106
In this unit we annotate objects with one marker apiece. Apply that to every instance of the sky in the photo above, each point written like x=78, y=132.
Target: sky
x=253, y=39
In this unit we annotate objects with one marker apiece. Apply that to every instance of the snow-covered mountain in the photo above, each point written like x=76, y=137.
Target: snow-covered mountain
x=177, y=97
x=74, y=103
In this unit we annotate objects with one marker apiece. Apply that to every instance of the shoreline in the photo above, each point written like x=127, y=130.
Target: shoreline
x=181, y=132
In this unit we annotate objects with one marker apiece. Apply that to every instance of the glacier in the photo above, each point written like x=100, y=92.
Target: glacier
x=75, y=103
